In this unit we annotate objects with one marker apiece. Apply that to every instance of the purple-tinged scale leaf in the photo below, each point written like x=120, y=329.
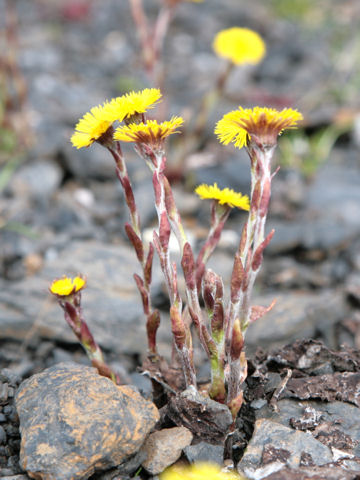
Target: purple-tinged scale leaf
x=135, y=241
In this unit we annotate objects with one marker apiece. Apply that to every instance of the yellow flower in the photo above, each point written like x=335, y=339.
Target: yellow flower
x=66, y=286
x=132, y=103
x=150, y=133
x=262, y=124
x=91, y=127
x=200, y=471
x=240, y=45
x=225, y=196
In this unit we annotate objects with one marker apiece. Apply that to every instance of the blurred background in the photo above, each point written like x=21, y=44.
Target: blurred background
x=61, y=209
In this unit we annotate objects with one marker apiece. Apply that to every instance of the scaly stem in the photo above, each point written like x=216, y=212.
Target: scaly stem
x=188, y=266
x=249, y=258
x=74, y=318
x=134, y=233
x=219, y=215
x=180, y=329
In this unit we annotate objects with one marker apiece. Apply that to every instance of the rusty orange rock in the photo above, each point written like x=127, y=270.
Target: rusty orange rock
x=73, y=422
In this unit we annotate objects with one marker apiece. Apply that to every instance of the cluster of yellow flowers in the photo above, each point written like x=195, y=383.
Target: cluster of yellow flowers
x=94, y=124
x=238, y=126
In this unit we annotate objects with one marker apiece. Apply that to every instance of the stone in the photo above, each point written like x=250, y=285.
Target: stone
x=164, y=447
x=91, y=163
x=74, y=422
x=12, y=477
x=295, y=315
x=111, y=302
x=344, y=416
x=332, y=471
x=2, y=436
x=26, y=180
x=343, y=386
x=205, y=452
x=206, y=419
x=327, y=223
x=234, y=173
x=293, y=444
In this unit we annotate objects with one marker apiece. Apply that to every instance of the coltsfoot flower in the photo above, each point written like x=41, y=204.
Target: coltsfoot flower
x=132, y=104
x=225, y=196
x=150, y=133
x=200, y=471
x=92, y=127
x=262, y=123
x=65, y=286
x=239, y=45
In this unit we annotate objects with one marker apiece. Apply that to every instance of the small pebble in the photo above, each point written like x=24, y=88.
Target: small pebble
x=4, y=388
x=2, y=435
x=6, y=375
x=13, y=461
x=12, y=430
x=9, y=472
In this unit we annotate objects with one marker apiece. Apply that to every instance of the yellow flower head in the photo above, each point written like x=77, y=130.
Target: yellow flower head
x=133, y=103
x=150, y=133
x=91, y=127
x=240, y=45
x=225, y=196
x=261, y=124
x=200, y=471
x=65, y=286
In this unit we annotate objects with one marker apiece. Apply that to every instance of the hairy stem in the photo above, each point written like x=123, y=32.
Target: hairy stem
x=249, y=257
x=134, y=234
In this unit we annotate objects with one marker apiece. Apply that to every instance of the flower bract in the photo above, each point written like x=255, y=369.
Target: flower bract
x=225, y=196
x=200, y=471
x=66, y=286
x=91, y=127
x=132, y=103
x=239, y=45
x=150, y=133
x=262, y=123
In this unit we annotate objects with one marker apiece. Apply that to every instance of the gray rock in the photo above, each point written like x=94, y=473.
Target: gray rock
x=89, y=163
x=164, y=447
x=2, y=436
x=285, y=439
x=74, y=421
x=12, y=477
x=295, y=315
x=37, y=179
x=205, y=452
x=111, y=303
x=234, y=173
x=344, y=416
x=324, y=233
x=330, y=220
x=206, y=419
